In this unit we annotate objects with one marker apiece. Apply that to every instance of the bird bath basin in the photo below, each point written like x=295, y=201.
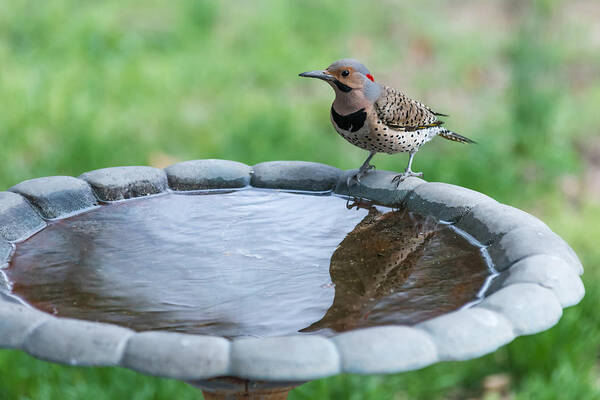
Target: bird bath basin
x=252, y=263
x=249, y=281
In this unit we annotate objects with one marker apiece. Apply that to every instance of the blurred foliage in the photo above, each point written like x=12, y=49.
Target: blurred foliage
x=86, y=85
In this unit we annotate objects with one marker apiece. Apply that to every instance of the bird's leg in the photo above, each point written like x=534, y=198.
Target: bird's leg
x=407, y=172
x=362, y=171
x=366, y=167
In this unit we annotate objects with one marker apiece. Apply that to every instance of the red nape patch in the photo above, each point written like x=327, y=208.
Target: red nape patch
x=371, y=77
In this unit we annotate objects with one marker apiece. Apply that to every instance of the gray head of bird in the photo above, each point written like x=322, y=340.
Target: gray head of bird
x=351, y=81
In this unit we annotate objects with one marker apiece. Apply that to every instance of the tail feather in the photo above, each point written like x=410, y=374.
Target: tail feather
x=446, y=134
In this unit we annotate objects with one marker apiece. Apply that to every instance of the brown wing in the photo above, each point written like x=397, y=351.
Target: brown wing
x=400, y=112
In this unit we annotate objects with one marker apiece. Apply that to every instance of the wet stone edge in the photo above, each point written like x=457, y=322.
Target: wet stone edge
x=548, y=271
x=18, y=219
x=530, y=307
x=6, y=250
x=487, y=222
x=208, y=174
x=524, y=242
x=121, y=183
x=377, y=186
x=57, y=196
x=295, y=175
x=444, y=201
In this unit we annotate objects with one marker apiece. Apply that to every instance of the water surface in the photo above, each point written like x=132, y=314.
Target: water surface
x=246, y=263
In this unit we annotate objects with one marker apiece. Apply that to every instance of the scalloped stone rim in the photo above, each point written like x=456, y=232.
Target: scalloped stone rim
x=57, y=196
x=527, y=297
x=208, y=174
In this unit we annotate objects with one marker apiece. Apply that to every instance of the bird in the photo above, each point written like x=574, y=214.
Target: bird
x=379, y=118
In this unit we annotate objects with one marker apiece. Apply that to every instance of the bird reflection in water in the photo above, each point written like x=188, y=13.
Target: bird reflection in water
x=399, y=268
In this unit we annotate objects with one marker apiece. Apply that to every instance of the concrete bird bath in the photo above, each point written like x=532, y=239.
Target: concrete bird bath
x=248, y=281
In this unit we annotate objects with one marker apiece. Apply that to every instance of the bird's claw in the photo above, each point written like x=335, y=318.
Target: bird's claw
x=355, y=179
x=398, y=179
x=352, y=180
x=366, y=169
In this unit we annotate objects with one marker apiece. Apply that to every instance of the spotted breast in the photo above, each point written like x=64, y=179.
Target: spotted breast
x=365, y=128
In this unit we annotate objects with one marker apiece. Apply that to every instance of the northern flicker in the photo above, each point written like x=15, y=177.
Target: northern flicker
x=378, y=118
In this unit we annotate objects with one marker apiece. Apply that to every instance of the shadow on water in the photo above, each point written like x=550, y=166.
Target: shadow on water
x=246, y=263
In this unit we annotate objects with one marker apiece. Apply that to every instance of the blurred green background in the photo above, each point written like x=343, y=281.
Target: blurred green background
x=88, y=84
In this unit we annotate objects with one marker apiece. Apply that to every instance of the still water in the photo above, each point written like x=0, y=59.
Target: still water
x=247, y=263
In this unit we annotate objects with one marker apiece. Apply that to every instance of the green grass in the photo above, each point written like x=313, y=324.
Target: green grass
x=86, y=85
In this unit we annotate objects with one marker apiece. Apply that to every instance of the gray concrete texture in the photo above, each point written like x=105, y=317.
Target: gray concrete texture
x=18, y=220
x=57, y=196
x=120, y=183
x=295, y=175
x=208, y=174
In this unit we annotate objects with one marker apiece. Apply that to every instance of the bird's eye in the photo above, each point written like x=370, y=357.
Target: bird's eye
x=345, y=72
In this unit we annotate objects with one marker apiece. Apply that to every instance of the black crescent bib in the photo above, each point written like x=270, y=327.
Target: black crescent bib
x=351, y=122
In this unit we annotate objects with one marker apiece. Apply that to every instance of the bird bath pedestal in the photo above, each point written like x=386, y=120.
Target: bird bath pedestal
x=204, y=306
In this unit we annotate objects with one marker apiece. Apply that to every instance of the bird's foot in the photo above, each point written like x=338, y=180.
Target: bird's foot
x=364, y=169
x=355, y=179
x=352, y=180
x=398, y=179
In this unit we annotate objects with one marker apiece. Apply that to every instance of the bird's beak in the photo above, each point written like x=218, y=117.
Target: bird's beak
x=324, y=75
